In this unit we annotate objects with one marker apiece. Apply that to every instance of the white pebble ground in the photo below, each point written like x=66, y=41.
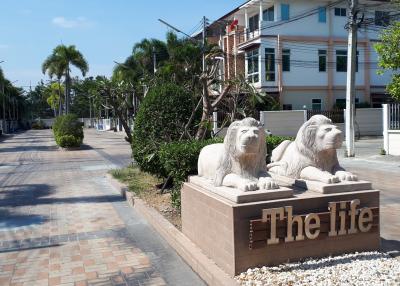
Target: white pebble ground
x=366, y=268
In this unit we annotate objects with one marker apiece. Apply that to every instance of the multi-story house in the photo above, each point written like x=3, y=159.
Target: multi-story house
x=296, y=50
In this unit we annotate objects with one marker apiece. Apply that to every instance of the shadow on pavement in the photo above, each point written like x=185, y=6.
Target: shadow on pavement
x=391, y=246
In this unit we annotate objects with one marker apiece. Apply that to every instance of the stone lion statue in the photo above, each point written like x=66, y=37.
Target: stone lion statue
x=239, y=162
x=312, y=155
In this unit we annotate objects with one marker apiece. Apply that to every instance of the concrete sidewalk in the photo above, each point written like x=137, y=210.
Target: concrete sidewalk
x=61, y=222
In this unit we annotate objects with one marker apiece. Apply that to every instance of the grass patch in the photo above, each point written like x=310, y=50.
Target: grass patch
x=143, y=185
x=137, y=181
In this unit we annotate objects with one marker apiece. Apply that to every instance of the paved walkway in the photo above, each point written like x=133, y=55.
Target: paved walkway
x=61, y=223
x=384, y=173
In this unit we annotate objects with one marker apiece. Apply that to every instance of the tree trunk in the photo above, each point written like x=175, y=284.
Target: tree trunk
x=67, y=82
x=206, y=112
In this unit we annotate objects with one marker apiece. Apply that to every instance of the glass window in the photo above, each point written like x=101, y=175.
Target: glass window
x=316, y=104
x=322, y=60
x=270, y=64
x=382, y=18
x=341, y=61
x=341, y=12
x=268, y=14
x=252, y=66
x=322, y=14
x=253, y=23
x=284, y=12
x=285, y=60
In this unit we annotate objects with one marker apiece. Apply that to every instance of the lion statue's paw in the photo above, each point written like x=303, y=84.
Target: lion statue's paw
x=346, y=176
x=267, y=183
x=330, y=179
x=248, y=186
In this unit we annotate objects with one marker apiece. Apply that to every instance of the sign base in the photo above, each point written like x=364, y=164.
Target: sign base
x=236, y=236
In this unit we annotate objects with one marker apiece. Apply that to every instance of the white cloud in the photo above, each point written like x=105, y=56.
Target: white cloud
x=80, y=22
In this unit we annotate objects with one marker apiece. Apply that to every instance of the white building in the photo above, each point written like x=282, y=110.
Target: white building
x=297, y=50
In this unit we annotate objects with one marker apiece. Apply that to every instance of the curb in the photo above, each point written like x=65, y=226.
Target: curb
x=187, y=250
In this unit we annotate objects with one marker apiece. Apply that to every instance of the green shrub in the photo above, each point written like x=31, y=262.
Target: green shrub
x=161, y=118
x=68, y=141
x=38, y=125
x=68, y=131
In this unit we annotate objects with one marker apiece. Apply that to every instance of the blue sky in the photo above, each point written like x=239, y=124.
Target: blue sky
x=103, y=30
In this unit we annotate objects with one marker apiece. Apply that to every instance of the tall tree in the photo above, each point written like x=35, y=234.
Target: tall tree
x=59, y=64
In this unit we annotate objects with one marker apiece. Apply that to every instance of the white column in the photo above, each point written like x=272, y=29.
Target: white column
x=386, y=128
x=262, y=120
x=261, y=17
x=246, y=23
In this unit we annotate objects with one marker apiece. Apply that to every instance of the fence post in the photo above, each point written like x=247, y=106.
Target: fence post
x=262, y=118
x=386, y=119
x=305, y=115
x=215, y=122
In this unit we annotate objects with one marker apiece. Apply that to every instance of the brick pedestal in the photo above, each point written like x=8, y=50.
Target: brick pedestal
x=235, y=238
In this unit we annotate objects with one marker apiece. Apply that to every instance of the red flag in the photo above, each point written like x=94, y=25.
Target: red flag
x=233, y=25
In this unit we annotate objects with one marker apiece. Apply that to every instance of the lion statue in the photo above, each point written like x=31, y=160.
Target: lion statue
x=312, y=155
x=239, y=162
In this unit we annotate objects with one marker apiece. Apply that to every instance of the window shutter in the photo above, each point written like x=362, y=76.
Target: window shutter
x=322, y=14
x=284, y=12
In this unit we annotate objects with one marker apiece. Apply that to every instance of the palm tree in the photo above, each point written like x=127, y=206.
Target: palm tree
x=59, y=64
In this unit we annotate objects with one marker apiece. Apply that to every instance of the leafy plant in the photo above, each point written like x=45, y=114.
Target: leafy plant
x=161, y=119
x=68, y=131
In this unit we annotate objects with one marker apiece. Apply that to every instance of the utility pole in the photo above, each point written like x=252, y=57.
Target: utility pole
x=351, y=74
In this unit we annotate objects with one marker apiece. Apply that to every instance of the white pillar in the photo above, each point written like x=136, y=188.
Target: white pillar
x=262, y=120
x=261, y=16
x=246, y=24
x=386, y=128
x=215, y=122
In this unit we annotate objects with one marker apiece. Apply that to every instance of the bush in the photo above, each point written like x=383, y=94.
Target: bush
x=68, y=131
x=161, y=118
x=38, y=125
x=273, y=141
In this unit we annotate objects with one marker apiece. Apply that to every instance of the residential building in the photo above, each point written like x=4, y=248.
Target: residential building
x=297, y=50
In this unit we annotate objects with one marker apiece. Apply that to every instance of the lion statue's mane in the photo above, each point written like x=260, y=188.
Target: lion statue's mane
x=217, y=161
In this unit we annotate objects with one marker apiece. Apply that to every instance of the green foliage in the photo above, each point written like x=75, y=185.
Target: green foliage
x=37, y=125
x=389, y=57
x=68, y=131
x=161, y=119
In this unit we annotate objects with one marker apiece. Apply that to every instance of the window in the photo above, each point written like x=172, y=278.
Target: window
x=382, y=18
x=268, y=14
x=252, y=65
x=341, y=61
x=269, y=64
x=285, y=60
x=322, y=14
x=322, y=60
x=284, y=12
x=341, y=12
x=253, y=23
x=287, y=107
x=341, y=102
x=316, y=104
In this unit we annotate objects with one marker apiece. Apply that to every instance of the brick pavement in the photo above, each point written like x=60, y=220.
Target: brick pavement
x=61, y=223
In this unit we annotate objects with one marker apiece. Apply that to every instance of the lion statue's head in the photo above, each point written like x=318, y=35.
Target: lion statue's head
x=244, y=150
x=318, y=134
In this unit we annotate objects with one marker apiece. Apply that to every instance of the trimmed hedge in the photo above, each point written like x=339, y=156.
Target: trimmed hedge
x=161, y=118
x=68, y=131
x=179, y=159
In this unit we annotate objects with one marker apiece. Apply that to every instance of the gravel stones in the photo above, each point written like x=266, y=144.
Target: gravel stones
x=366, y=268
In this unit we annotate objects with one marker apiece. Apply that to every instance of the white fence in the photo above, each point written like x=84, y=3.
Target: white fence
x=391, y=129
x=368, y=121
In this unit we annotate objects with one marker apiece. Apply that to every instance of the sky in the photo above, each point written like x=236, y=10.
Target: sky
x=103, y=30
